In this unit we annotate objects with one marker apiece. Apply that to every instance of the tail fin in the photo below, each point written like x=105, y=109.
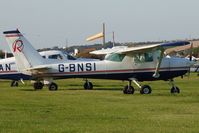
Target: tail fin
x=26, y=56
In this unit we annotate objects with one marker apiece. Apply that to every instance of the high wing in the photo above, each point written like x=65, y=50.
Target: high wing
x=126, y=50
x=162, y=47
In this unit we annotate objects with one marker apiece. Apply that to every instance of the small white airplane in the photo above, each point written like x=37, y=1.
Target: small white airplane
x=146, y=63
x=8, y=68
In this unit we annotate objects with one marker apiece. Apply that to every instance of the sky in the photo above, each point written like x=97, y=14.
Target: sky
x=48, y=23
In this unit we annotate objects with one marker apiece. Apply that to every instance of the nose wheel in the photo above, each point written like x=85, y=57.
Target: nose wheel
x=174, y=89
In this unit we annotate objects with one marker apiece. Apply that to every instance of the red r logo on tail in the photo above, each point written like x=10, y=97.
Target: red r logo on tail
x=17, y=46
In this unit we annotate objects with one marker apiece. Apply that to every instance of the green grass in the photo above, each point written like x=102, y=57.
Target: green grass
x=102, y=110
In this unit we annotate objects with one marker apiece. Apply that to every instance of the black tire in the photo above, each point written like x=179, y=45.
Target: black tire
x=175, y=90
x=38, y=85
x=88, y=86
x=14, y=83
x=128, y=90
x=53, y=87
x=146, y=89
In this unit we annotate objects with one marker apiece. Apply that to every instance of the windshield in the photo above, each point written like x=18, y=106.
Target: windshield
x=115, y=57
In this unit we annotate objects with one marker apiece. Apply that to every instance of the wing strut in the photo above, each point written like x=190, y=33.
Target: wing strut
x=156, y=74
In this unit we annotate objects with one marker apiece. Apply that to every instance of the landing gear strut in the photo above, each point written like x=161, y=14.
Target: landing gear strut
x=174, y=88
x=88, y=85
x=145, y=89
x=128, y=89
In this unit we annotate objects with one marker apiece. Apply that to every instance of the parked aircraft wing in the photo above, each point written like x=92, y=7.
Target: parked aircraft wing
x=108, y=50
x=161, y=46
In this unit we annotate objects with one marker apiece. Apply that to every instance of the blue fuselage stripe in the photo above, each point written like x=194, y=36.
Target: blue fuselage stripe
x=141, y=76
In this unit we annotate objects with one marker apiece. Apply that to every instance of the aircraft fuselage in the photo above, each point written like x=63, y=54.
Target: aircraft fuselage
x=125, y=70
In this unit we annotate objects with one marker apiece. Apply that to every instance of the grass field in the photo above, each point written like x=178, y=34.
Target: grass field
x=102, y=110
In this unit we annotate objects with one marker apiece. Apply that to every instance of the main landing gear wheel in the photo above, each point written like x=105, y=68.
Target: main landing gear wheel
x=175, y=90
x=38, y=85
x=145, y=89
x=14, y=83
x=88, y=86
x=53, y=87
x=128, y=90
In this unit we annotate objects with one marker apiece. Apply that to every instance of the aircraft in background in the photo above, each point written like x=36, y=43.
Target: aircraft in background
x=8, y=68
x=146, y=63
x=108, y=50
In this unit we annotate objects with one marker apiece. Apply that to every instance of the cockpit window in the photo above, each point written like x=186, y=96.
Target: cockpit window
x=143, y=57
x=44, y=56
x=55, y=56
x=115, y=57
